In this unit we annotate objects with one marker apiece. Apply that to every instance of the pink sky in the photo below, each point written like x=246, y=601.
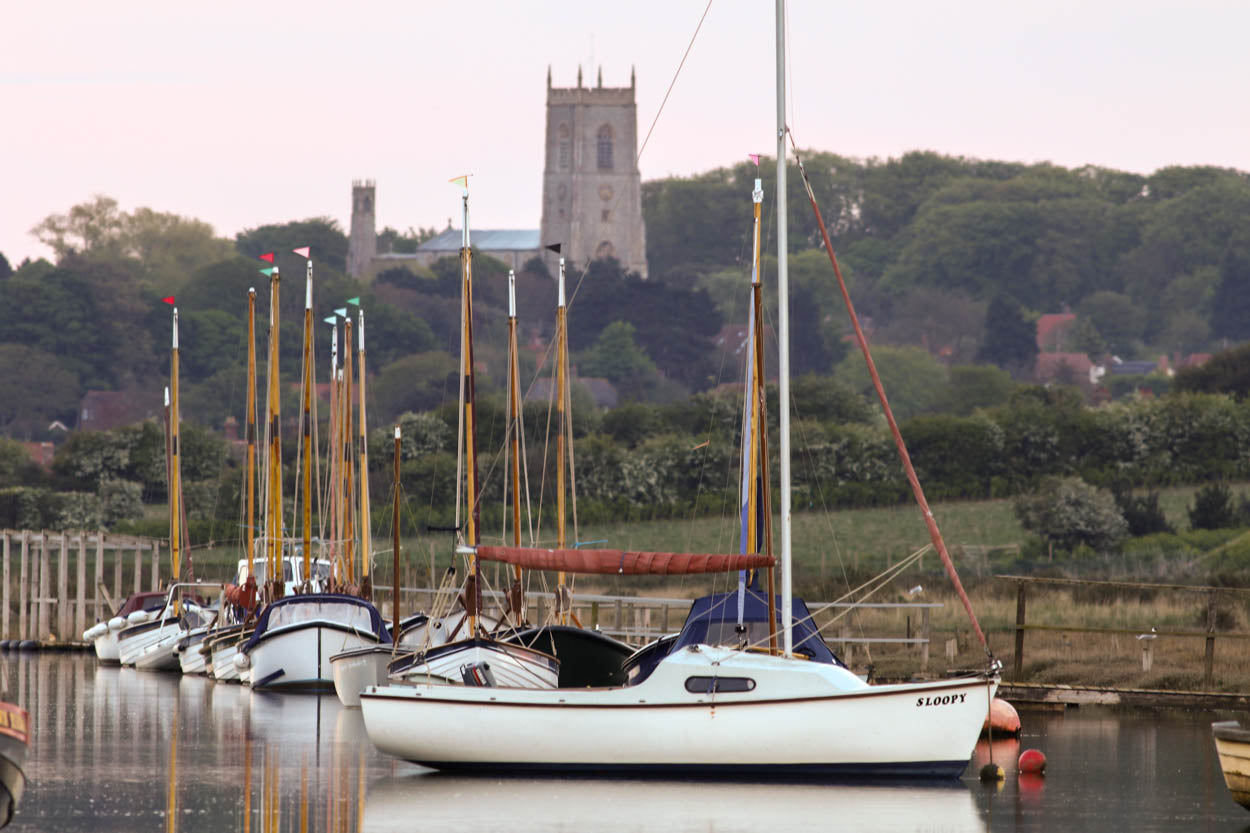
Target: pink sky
x=244, y=113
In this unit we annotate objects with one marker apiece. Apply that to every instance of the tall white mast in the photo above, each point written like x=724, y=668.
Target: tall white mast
x=783, y=332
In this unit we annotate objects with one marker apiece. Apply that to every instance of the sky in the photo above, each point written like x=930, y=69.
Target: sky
x=265, y=111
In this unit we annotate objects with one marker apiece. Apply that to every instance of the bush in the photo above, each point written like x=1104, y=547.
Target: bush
x=1069, y=512
x=1142, y=513
x=1213, y=508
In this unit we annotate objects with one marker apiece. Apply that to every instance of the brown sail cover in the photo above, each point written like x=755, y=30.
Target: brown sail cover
x=624, y=562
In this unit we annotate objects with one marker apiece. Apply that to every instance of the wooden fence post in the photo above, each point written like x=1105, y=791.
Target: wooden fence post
x=23, y=589
x=594, y=614
x=138, y=568
x=99, y=572
x=156, y=565
x=62, y=590
x=926, y=633
x=45, y=585
x=80, y=613
x=119, y=556
x=4, y=623
x=1020, y=604
x=1208, y=661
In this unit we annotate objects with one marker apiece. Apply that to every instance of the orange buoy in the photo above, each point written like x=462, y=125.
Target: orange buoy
x=1032, y=761
x=1003, y=718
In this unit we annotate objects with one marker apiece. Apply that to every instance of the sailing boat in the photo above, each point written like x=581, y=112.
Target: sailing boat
x=468, y=652
x=296, y=635
x=707, y=708
x=150, y=640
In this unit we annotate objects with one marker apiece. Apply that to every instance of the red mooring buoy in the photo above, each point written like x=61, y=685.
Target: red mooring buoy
x=1032, y=761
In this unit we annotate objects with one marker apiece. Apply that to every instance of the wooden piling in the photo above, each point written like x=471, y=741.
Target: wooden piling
x=4, y=617
x=138, y=569
x=1208, y=659
x=927, y=633
x=62, y=589
x=99, y=574
x=156, y=565
x=80, y=612
x=119, y=556
x=45, y=586
x=23, y=585
x=1020, y=606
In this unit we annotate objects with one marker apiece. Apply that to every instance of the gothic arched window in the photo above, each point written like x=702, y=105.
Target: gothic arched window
x=562, y=134
x=605, y=148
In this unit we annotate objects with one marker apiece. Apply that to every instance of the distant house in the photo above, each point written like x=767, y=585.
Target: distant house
x=1132, y=368
x=40, y=453
x=104, y=410
x=1052, y=331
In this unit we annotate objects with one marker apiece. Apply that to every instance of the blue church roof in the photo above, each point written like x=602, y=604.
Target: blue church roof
x=486, y=240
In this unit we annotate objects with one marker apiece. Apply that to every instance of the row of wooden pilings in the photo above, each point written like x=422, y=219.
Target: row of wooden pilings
x=45, y=605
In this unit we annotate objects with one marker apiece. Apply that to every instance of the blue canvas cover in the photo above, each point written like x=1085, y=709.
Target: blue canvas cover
x=359, y=612
x=713, y=620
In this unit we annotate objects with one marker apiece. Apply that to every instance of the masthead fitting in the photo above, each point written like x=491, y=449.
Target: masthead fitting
x=397, y=432
x=758, y=194
x=511, y=293
x=560, y=299
x=308, y=288
x=166, y=396
x=175, y=328
x=361, y=332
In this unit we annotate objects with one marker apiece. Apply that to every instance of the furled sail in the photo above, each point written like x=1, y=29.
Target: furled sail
x=624, y=562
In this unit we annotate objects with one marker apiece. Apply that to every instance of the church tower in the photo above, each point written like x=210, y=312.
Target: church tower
x=362, y=241
x=592, y=191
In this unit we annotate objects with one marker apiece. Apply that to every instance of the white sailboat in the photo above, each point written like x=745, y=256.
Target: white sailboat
x=468, y=652
x=703, y=708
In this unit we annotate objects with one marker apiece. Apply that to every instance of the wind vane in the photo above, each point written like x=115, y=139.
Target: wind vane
x=302, y=251
x=267, y=257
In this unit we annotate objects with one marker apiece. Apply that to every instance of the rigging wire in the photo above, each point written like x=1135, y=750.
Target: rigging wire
x=673, y=83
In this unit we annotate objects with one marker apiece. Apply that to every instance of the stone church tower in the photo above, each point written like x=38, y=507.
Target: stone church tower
x=362, y=240
x=592, y=192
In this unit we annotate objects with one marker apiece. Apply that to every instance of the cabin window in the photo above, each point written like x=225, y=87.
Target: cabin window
x=722, y=685
x=605, y=148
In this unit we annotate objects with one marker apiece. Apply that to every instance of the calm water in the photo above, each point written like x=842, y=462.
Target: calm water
x=125, y=750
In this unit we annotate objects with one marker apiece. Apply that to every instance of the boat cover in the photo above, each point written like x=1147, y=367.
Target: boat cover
x=347, y=611
x=713, y=620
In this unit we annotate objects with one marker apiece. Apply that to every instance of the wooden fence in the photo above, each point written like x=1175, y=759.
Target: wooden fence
x=1209, y=634
x=39, y=601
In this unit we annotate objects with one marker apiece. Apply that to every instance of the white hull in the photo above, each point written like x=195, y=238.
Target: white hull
x=513, y=666
x=160, y=655
x=106, y=647
x=354, y=671
x=299, y=655
x=798, y=718
x=189, y=656
x=131, y=647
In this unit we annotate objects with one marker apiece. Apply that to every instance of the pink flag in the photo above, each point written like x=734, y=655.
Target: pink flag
x=754, y=157
x=267, y=257
x=302, y=251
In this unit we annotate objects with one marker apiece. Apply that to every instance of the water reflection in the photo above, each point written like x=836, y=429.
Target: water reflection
x=458, y=803
x=123, y=750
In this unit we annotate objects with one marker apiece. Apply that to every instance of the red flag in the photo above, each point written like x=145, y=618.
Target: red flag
x=267, y=257
x=169, y=300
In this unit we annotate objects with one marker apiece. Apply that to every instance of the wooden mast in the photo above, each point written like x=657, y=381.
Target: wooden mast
x=333, y=456
x=760, y=507
x=273, y=469
x=250, y=535
x=175, y=468
x=514, y=423
x=345, y=437
x=362, y=455
x=562, y=364
x=470, y=415
x=395, y=543
x=306, y=429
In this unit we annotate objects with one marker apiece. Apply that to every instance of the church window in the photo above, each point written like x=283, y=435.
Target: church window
x=605, y=148
x=607, y=215
x=605, y=249
x=563, y=146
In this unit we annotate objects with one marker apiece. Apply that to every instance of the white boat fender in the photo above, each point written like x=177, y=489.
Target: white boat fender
x=138, y=617
x=95, y=631
x=117, y=623
x=242, y=661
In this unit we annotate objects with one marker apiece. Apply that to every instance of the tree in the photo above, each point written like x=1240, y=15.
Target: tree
x=34, y=389
x=912, y=378
x=416, y=383
x=970, y=387
x=616, y=357
x=1117, y=319
x=1010, y=340
x=5, y=268
x=1069, y=512
x=1213, y=508
x=92, y=227
x=1230, y=317
x=322, y=235
x=1227, y=372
